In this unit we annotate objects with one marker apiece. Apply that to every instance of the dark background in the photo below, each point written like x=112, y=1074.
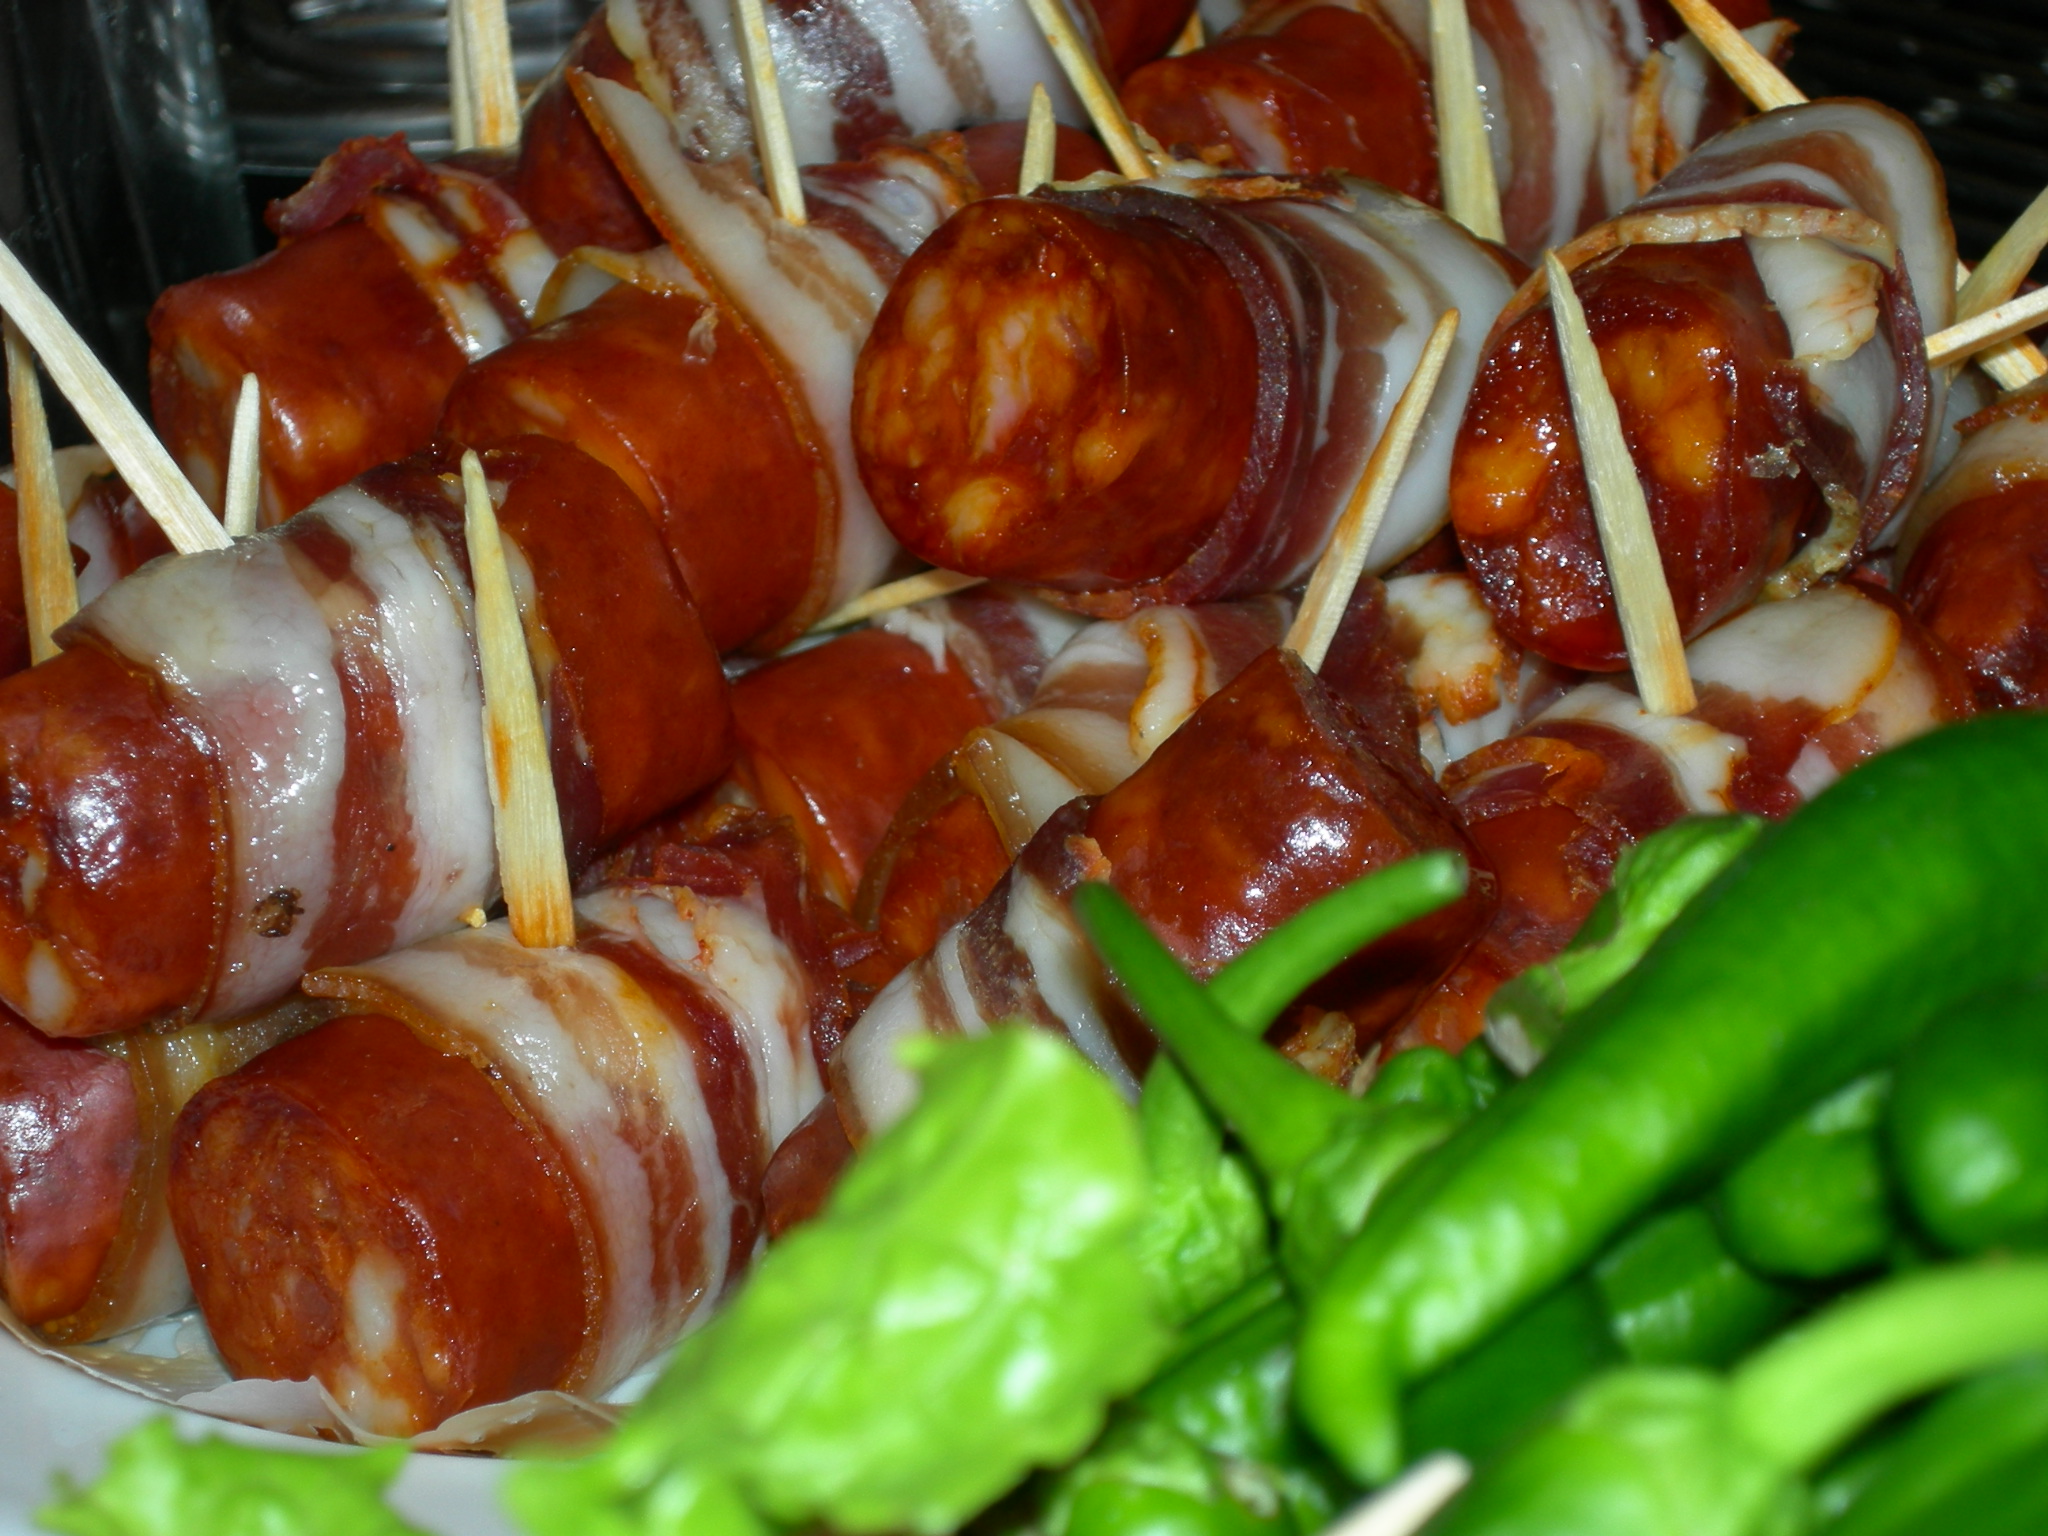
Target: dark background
x=139, y=139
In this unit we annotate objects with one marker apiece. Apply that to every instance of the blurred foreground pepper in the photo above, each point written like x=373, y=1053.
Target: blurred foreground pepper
x=1969, y=1123
x=1911, y=883
x=1663, y=1452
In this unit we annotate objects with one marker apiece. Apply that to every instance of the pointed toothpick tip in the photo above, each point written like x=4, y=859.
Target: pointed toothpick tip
x=245, y=461
x=108, y=414
x=1084, y=72
x=1766, y=85
x=1464, y=149
x=896, y=594
x=1041, y=143
x=49, y=581
x=771, y=123
x=526, y=821
x=1642, y=596
x=1336, y=575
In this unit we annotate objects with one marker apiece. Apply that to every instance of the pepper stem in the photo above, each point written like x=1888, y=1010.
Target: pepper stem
x=1806, y=1394
x=1279, y=1112
x=1253, y=988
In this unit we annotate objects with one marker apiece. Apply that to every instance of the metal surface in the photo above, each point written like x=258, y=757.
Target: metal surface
x=302, y=75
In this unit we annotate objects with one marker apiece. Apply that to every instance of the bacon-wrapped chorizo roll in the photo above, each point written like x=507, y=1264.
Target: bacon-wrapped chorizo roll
x=253, y=762
x=1023, y=408
x=1975, y=552
x=835, y=737
x=505, y=1169
x=1584, y=107
x=1113, y=693
x=1791, y=696
x=85, y=1238
x=1760, y=318
x=1268, y=797
x=1299, y=89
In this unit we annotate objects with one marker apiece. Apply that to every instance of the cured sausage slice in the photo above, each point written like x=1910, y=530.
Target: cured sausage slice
x=270, y=758
x=507, y=1169
x=1269, y=796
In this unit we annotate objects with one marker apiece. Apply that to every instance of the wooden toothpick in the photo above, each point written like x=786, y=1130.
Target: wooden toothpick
x=49, y=581
x=1112, y=123
x=1464, y=153
x=1649, y=622
x=1041, y=143
x=771, y=124
x=245, y=461
x=1336, y=575
x=2014, y=317
x=897, y=594
x=1192, y=36
x=483, y=89
x=2006, y=265
x=115, y=424
x=526, y=822
x=1766, y=85
x=2012, y=363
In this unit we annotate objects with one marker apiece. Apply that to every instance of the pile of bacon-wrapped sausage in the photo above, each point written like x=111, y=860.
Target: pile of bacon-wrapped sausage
x=264, y=1047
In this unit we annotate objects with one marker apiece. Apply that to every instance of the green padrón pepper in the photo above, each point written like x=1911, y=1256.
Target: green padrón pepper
x=1969, y=1123
x=157, y=1484
x=1324, y=1155
x=965, y=1309
x=1653, y=1451
x=1968, y=1452
x=1809, y=962
x=1814, y=1202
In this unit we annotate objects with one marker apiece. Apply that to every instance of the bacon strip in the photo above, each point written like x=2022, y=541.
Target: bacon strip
x=1270, y=796
x=610, y=1108
x=1792, y=695
x=259, y=761
x=1022, y=407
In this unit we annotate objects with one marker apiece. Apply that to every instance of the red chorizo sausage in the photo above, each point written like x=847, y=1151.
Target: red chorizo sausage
x=1022, y=406
x=1693, y=354
x=356, y=1191
x=564, y=180
x=1298, y=90
x=702, y=431
x=355, y=362
x=1134, y=32
x=70, y=1139
x=1979, y=581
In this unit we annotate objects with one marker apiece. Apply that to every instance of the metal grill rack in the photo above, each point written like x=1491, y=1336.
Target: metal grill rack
x=1972, y=73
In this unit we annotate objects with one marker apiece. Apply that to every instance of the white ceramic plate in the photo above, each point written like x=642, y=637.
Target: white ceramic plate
x=54, y=1418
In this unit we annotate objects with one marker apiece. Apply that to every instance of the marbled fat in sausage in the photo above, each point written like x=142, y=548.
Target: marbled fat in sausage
x=606, y=1112
x=1021, y=408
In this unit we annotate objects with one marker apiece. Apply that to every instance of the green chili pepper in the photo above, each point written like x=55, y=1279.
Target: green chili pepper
x=1669, y=1293
x=1325, y=1156
x=1812, y=959
x=1969, y=1123
x=1967, y=1451
x=1653, y=882
x=1204, y=1233
x=1814, y=1201
x=1653, y=1451
x=1522, y=1372
x=1675, y=1295
x=1209, y=1446
x=157, y=1484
